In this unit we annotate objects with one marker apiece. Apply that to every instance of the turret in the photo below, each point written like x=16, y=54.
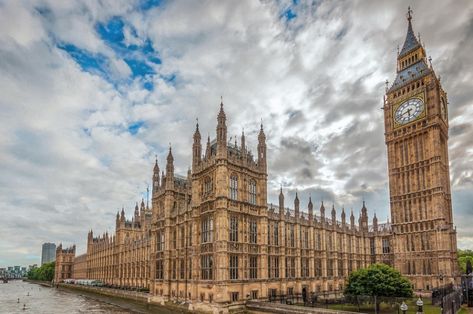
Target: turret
x=137, y=213
x=122, y=215
x=310, y=207
x=364, y=218
x=375, y=223
x=343, y=217
x=243, y=145
x=196, y=147
x=296, y=205
x=207, y=149
x=352, y=220
x=155, y=176
x=281, y=204
x=262, y=148
x=170, y=170
x=117, y=221
x=334, y=215
x=322, y=212
x=142, y=208
x=221, y=133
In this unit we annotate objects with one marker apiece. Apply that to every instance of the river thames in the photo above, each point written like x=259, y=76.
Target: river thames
x=39, y=299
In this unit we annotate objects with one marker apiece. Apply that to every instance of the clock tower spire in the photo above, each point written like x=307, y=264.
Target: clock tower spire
x=416, y=135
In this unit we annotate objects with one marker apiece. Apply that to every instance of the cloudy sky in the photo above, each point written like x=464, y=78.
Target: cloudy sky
x=91, y=90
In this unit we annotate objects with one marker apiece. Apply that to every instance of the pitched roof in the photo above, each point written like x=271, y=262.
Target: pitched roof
x=410, y=74
x=411, y=41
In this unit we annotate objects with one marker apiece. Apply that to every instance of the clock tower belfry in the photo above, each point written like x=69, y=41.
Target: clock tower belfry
x=416, y=134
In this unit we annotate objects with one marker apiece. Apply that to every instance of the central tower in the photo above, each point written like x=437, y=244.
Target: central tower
x=416, y=134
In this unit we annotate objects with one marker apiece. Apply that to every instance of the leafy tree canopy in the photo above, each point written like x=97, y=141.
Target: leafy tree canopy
x=43, y=273
x=379, y=280
x=463, y=257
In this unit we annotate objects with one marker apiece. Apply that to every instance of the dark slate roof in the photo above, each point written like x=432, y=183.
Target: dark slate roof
x=410, y=74
x=410, y=43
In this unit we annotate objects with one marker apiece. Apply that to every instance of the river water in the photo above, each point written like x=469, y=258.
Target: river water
x=39, y=299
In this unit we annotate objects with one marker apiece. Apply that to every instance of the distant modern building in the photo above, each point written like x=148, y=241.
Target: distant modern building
x=48, y=253
x=13, y=272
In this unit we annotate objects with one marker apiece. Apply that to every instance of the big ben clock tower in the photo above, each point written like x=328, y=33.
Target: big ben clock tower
x=416, y=133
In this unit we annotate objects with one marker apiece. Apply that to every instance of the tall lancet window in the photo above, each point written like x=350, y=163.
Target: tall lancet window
x=252, y=192
x=234, y=187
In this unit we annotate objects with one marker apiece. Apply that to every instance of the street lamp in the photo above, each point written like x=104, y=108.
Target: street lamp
x=420, y=305
x=404, y=307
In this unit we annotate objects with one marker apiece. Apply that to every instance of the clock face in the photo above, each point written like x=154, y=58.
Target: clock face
x=409, y=110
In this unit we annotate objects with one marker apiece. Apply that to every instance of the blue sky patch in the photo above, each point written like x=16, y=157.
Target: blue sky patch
x=135, y=127
x=112, y=31
x=289, y=14
x=149, y=4
x=148, y=86
x=139, y=68
x=94, y=63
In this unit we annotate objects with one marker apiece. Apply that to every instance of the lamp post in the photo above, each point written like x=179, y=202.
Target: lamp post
x=420, y=305
x=404, y=307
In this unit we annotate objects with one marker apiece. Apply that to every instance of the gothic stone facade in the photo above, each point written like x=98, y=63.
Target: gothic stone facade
x=211, y=237
x=64, y=263
x=416, y=132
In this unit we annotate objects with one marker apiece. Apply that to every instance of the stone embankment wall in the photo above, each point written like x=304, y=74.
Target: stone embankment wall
x=132, y=295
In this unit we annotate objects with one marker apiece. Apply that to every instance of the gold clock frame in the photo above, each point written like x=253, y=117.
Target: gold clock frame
x=423, y=114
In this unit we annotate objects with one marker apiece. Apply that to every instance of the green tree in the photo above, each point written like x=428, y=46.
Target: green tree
x=463, y=257
x=378, y=280
x=43, y=273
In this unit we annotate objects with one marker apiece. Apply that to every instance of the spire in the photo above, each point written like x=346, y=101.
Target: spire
x=170, y=161
x=136, y=209
x=197, y=132
x=170, y=158
x=334, y=213
x=261, y=135
x=156, y=176
x=207, y=149
x=310, y=207
x=411, y=42
x=343, y=216
x=221, y=132
x=156, y=166
x=364, y=210
x=243, y=144
x=262, y=148
x=196, y=147
x=296, y=205
x=281, y=202
x=352, y=219
x=322, y=210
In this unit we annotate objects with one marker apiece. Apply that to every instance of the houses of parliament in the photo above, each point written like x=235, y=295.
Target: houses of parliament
x=211, y=238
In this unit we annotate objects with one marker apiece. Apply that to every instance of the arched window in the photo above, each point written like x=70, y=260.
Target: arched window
x=208, y=186
x=234, y=187
x=207, y=229
x=252, y=192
